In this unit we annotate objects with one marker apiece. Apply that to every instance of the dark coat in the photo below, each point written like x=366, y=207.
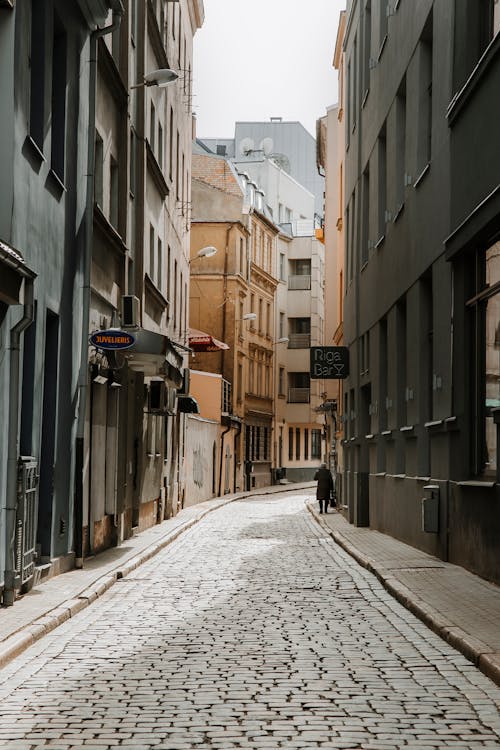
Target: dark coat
x=325, y=484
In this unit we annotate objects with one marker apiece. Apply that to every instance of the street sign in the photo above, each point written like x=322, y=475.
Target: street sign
x=112, y=338
x=329, y=362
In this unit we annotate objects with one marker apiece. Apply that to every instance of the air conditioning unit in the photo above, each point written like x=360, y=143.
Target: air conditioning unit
x=131, y=311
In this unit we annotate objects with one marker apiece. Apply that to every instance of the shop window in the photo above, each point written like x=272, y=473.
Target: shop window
x=485, y=309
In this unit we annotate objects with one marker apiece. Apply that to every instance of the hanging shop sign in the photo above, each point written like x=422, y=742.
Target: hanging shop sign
x=329, y=362
x=112, y=338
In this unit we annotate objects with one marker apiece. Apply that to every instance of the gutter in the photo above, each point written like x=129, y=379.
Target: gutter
x=118, y=12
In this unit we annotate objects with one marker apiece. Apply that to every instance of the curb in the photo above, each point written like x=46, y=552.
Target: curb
x=29, y=634
x=481, y=655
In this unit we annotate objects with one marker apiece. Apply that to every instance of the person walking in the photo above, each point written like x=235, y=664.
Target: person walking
x=324, y=489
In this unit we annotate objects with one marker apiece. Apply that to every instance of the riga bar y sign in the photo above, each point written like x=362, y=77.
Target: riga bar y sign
x=329, y=362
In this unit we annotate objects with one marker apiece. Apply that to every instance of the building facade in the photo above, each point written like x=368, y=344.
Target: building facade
x=419, y=440
x=94, y=235
x=233, y=298
x=135, y=429
x=45, y=82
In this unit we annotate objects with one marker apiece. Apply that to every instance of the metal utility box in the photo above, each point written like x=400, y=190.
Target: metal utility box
x=430, y=509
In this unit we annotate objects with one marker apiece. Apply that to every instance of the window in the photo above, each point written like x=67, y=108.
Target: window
x=400, y=146
x=160, y=145
x=485, y=310
x=152, y=127
x=151, y=252
x=239, y=391
x=37, y=71
x=169, y=263
x=424, y=124
x=159, y=263
x=282, y=325
x=365, y=228
x=382, y=25
x=281, y=382
x=297, y=443
x=367, y=47
x=178, y=173
x=175, y=301
x=290, y=443
x=171, y=145
x=133, y=163
x=476, y=23
x=242, y=257
x=113, y=192
x=315, y=443
x=268, y=319
x=282, y=267
x=299, y=387
x=382, y=183
x=58, y=131
x=306, y=444
x=98, y=171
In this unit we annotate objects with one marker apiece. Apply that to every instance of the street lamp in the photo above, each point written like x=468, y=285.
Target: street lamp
x=161, y=77
x=248, y=316
x=205, y=252
x=282, y=340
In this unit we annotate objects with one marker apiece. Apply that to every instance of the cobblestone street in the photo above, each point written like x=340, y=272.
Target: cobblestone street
x=252, y=630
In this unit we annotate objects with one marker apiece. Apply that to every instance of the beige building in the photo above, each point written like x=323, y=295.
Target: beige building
x=232, y=297
x=134, y=434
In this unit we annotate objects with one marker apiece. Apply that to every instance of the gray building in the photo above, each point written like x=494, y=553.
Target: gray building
x=43, y=164
x=289, y=144
x=422, y=275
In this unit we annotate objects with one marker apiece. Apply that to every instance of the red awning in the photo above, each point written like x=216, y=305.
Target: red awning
x=200, y=341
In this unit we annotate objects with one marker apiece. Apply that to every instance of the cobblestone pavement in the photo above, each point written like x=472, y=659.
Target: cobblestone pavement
x=252, y=630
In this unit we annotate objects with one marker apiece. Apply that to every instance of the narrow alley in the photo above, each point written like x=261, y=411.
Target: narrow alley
x=252, y=630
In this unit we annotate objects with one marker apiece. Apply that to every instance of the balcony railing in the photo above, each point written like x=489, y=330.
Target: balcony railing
x=299, y=282
x=299, y=340
x=299, y=395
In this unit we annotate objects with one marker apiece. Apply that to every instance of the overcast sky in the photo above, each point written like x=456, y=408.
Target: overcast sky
x=256, y=59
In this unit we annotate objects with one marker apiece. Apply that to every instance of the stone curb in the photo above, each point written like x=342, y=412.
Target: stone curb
x=29, y=634
x=481, y=655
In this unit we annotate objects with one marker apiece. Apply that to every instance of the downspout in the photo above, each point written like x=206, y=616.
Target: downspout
x=12, y=456
x=118, y=12
x=224, y=313
x=221, y=457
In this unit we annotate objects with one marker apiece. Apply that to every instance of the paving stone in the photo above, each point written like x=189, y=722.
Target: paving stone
x=252, y=631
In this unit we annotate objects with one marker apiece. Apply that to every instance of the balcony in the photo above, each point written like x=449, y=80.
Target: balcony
x=299, y=395
x=299, y=282
x=299, y=340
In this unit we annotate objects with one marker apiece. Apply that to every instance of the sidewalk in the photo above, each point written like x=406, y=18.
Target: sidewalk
x=52, y=602
x=459, y=606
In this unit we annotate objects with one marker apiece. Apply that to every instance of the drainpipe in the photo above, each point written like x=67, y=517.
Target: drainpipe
x=221, y=457
x=118, y=12
x=13, y=443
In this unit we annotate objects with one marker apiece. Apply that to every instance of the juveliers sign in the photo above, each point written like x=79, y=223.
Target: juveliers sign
x=329, y=362
x=113, y=339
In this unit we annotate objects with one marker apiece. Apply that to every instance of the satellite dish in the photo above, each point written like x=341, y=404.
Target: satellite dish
x=246, y=146
x=266, y=146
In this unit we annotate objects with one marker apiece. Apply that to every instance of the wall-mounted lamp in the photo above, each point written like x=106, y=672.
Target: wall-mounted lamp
x=248, y=316
x=205, y=252
x=161, y=77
